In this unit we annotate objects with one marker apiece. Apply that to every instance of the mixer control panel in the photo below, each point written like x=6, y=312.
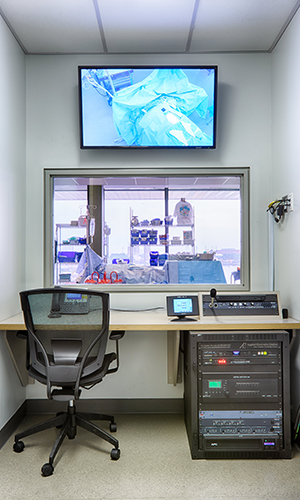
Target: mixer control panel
x=249, y=304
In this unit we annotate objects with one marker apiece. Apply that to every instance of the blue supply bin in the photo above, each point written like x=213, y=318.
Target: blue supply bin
x=154, y=258
x=162, y=258
x=135, y=240
x=135, y=237
x=66, y=256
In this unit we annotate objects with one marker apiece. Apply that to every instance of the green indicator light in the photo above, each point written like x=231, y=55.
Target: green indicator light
x=215, y=384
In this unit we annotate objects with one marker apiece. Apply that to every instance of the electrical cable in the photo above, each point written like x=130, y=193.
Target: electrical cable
x=278, y=208
x=297, y=424
x=137, y=310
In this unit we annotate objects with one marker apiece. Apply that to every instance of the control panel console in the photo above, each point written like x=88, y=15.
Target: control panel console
x=240, y=304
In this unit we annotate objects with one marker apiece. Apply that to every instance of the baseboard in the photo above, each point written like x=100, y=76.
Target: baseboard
x=111, y=406
x=12, y=424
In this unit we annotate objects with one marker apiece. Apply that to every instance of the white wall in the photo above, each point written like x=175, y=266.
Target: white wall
x=12, y=206
x=244, y=139
x=286, y=162
x=286, y=179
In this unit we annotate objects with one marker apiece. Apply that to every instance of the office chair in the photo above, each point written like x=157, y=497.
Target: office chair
x=67, y=333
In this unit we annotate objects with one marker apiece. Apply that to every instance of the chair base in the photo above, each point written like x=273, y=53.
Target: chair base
x=67, y=422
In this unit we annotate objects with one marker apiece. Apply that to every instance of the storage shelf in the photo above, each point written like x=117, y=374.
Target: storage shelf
x=71, y=245
x=147, y=236
x=163, y=244
x=160, y=225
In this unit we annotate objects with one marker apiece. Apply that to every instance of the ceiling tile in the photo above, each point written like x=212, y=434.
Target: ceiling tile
x=239, y=25
x=146, y=25
x=54, y=26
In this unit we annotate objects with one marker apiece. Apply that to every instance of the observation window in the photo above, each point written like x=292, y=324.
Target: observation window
x=187, y=229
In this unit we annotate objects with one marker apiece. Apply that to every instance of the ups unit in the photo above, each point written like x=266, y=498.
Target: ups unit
x=237, y=394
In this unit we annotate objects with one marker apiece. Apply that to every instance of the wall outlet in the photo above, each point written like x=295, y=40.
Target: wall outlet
x=289, y=203
x=291, y=198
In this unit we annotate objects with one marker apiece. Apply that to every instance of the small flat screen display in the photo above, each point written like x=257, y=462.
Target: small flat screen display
x=183, y=307
x=148, y=107
x=215, y=384
x=71, y=297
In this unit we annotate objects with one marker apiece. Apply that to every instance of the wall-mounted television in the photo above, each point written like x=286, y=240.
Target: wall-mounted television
x=148, y=107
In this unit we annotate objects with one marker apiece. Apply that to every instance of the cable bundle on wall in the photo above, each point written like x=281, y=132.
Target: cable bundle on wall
x=279, y=208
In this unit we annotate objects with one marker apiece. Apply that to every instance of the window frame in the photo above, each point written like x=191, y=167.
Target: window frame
x=242, y=172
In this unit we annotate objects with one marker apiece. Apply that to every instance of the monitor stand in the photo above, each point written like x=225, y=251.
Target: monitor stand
x=183, y=318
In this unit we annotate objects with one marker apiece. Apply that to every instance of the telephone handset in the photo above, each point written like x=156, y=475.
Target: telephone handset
x=69, y=303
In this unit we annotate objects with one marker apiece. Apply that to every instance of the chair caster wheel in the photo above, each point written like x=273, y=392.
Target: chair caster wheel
x=19, y=446
x=115, y=454
x=47, y=470
x=113, y=427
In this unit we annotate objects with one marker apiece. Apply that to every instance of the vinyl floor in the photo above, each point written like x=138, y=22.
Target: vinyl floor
x=155, y=464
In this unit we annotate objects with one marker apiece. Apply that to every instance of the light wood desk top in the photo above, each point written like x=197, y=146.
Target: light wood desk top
x=158, y=320
x=147, y=321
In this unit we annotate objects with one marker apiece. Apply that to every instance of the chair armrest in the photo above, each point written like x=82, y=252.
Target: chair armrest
x=108, y=359
x=103, y=370
x=116, y=335
x=22, y=334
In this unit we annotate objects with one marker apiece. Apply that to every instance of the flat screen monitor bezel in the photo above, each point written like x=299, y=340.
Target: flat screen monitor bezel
x=147, y=67
x=183, y=316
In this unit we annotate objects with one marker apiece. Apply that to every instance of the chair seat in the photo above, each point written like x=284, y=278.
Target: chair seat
x=64, y=394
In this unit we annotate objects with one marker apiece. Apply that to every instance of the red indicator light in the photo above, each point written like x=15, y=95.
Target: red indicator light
x=222, y=361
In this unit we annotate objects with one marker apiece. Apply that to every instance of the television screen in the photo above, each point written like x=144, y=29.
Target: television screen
x=148, y=107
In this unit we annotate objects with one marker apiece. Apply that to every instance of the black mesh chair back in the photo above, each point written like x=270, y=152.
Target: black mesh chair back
x=68, y=331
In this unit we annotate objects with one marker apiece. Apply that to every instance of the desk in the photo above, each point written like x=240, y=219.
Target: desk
x=158, y=320
x=147, y=321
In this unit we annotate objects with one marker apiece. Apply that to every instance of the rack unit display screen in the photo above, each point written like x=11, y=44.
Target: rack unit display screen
x=148, y=107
